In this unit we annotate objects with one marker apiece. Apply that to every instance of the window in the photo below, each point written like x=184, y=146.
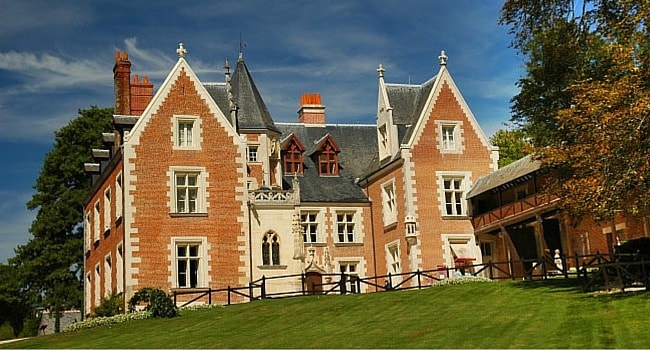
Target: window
x=187, y=190
x=97, y=286
x=87, y=293
x=309, y=226
x=252, y=154
x=188, y=263
x=185, y=128
x=107, y=210
x=390, y=207
x=119, y=269
x=293, y=158
x=350, y=269
x=108, y=275
x=453, y=194
x=186, y=132
x=345, y=227
x=118, y=196
x=393, y=259
x=384, y=145
x=96, y=223
x=328, y=161
x=270, y=249
x=87, y=232
x=448, y=137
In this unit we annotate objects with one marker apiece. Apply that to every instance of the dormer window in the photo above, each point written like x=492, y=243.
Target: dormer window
x=328, y=159
x=292, y=156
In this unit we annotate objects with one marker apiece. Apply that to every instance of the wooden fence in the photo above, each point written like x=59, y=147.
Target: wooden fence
x=596, y=271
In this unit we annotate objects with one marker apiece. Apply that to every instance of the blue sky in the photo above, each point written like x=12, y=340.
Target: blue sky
x=57, y=57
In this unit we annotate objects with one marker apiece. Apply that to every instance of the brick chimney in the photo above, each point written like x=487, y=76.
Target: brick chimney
x=122, y=82
x=311, y=110
x=141, y=94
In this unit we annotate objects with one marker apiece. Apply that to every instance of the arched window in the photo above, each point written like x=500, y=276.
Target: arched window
x=270, y=249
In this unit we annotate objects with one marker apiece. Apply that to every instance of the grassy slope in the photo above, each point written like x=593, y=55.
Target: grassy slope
x=478, y=315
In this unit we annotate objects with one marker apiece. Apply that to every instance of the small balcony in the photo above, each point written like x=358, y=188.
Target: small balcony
x=528, y=205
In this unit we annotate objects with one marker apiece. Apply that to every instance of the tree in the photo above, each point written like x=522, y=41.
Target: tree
x=599, y=143
x=513, y=145
x=51, y=263
x=14, y=306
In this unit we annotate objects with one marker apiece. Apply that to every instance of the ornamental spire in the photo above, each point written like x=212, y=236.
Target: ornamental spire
x=181, y=51
x=443, y=58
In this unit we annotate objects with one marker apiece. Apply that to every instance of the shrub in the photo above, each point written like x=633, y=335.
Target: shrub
x=158, y=303
x=111, y=306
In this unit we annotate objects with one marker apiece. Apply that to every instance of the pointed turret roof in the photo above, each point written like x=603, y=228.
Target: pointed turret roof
x=251, y=110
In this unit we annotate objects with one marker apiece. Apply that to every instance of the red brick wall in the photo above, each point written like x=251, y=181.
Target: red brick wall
x=154, y=224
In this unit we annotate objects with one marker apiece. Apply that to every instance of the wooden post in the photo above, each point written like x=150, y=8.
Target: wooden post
x=302, y=278
x=228, y=295
x=419, y=279
x=209, y=296
x=263, y=296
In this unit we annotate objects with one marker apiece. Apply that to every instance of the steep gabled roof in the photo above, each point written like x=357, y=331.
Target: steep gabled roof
x=408, y=101
x=358, y=145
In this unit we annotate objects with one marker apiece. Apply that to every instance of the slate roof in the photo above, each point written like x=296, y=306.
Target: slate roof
x=252, y=113
x=407, y=101
x=358, y=144
x=505, y=175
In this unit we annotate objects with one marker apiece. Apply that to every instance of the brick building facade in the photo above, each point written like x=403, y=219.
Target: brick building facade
x=198, y=187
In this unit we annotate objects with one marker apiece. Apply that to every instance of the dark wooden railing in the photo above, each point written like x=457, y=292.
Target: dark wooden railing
x=597, y=271
x=512, y=209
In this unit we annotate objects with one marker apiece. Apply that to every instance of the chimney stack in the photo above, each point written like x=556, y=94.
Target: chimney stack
x=122, y=82
x=141, y=94
x=311, y=110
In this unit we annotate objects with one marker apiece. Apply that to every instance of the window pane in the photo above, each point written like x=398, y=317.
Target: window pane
x=194, y=273
x=181, y=251
x=194, y=251
x=180, y=180
x=182, y=273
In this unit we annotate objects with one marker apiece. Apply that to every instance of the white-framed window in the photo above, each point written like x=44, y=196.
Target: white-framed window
x=186, y=132
x=189, y=264
x=271, y=249
x=351, y=270
x=119, y=268
x=188, y=190
x=453, y=187
x=450, y=136
x=252, y=153
x=88, y=231
x=118, y=196
x=345, y=226
x=309, y=222
x=96, y=219
x=389, y=203
x=97, y=286
x=108, y=275
x=393, y=258
x=107, y=209
x=87, y=293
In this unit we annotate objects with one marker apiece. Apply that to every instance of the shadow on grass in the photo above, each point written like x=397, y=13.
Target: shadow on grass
x=558, y=284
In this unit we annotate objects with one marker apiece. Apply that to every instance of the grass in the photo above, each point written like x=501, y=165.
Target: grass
x=545, y=314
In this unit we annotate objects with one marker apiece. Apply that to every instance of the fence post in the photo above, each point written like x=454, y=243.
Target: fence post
x=263, y=296
x=577, y=263
x=302, y=279
x=209, y=296
x=490, y=270
x=250, y=291
x=228, y=295
x=419, y=279
x=342, y=286
x=357, y=280
x=175, y=298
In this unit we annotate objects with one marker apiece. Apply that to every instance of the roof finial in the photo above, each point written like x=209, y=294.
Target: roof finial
x=241, y=48
x=443, y=58
x=181, y=51
x=381, y=71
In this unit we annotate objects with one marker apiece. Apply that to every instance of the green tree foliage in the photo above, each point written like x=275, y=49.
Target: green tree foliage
x=598, y=135
x=50, y=264
x=513, y=145
x=14, y=306
x=111, y=306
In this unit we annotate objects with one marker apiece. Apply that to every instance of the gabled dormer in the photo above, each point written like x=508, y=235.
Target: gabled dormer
x=326, y=155
x=292, y=150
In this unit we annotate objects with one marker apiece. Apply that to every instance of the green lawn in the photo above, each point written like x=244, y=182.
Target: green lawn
x=544, y=314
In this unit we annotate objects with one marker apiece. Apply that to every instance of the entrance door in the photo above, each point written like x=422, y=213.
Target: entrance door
x=314, y=282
